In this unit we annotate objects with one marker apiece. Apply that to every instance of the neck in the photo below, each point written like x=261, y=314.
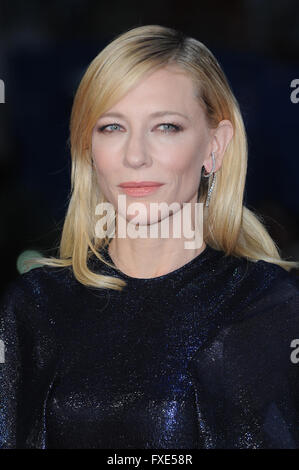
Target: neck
x=152, y=257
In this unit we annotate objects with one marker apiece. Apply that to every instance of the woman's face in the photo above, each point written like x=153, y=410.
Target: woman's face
x=156, y=133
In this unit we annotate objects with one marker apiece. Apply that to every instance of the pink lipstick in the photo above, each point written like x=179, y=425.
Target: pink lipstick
x=141, y=188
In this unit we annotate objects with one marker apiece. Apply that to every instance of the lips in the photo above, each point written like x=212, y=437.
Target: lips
x=140, y=188
x=140, y=184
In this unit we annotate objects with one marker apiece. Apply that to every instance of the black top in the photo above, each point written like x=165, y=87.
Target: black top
x=197, y=358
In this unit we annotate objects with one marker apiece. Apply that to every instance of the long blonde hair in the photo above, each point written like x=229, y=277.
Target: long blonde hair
x=228, y=225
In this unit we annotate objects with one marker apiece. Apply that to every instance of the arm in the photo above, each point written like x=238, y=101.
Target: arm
x=28, y=367
x=246, y=385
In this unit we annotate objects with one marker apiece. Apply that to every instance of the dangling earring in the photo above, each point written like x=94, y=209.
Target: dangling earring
x=212, y=172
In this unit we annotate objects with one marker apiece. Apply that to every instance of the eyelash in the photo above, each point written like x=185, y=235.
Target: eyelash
x=176, y=127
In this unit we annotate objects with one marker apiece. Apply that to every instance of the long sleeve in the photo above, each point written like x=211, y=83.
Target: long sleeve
x=246, y=385
x=27, y=370
x=197, y=358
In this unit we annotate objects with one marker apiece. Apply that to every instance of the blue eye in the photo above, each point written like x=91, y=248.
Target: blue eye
x=169, y=128
x=113, y=127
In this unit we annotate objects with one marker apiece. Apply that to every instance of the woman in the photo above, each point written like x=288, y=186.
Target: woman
x=137, y=342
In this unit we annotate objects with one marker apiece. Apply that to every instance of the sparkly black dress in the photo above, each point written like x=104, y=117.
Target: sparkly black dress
x=200, y=357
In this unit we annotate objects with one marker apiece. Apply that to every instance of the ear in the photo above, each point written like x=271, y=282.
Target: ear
x=221, y=136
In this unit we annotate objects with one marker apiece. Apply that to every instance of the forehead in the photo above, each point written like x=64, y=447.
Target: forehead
x=164, y=77
x=168, y=87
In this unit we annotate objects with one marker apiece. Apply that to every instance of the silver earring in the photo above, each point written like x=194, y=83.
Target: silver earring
x=212, y=172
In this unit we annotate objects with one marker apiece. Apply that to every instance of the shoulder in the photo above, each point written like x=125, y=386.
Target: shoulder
x=266, y=299
x=272, y=296
x=278, y=288
x=273, y=271
x=255, y=350
x=33, y=295
x=257, y=284
x=254, y=272
x=40, y=280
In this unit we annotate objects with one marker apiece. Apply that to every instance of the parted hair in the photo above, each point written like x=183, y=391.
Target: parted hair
x=227, y=224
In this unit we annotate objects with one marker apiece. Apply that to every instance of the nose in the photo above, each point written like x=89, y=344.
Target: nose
x=136, y=151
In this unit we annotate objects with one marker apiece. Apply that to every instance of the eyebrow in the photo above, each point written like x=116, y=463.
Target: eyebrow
x=156, y=114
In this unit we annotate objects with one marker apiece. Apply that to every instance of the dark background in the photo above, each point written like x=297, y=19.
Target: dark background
x=45, y=47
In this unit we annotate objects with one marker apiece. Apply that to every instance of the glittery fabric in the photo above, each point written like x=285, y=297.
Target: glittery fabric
x=196, y=358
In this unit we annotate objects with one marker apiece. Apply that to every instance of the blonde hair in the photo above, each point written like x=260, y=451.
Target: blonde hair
x=228, y=225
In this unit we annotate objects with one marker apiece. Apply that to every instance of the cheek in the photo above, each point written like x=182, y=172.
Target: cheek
x=103, y=166
x=184, y=162
x=100, y=156
x=104, y=161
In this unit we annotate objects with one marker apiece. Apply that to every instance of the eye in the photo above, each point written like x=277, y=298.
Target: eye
x=167, y=128
x=170, y=127
x=109, y=128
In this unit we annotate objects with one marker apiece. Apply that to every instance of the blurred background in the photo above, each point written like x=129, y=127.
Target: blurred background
x=45, y=48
